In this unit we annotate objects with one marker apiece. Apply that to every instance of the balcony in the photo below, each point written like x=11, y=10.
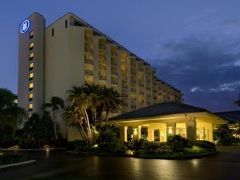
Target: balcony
x=114, y=72
x=114, y=62
x=88, y=72
x=101, y=52
x=88, y=61
x=102, y=67
x=102, y=78
x=114, y=82
x=102, y=62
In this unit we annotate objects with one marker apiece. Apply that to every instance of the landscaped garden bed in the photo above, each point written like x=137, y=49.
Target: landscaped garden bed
x=176, y=147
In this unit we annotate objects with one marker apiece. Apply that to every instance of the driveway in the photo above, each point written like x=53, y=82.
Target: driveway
x=61, y=165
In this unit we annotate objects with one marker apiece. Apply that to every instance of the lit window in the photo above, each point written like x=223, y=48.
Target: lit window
x=31, y=35
x=31, y=56
x=30, y=86
x=31, y=66
x=30, y=76
x=30, y=107
x=30, y=96
x=31, y=45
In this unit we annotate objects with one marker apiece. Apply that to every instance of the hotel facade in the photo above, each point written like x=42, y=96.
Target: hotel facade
x=71, y=52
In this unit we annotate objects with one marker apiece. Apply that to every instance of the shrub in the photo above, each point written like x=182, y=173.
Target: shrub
x=136, y=144
x=151, y=146
x=177, y=143
x=108, y=139
x=202, y=144
x=223, y=135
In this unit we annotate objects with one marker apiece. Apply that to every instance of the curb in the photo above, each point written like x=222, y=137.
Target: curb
x=39, y=149
x=17, y=164
x=183, y=157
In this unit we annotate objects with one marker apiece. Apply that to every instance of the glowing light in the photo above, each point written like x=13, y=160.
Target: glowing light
x=135, y=131
x=95, y=145
x=170, y=131
x=25, y=25
x=130, y=152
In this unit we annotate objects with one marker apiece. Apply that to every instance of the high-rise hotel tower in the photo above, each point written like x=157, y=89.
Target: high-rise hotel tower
x=71, y=52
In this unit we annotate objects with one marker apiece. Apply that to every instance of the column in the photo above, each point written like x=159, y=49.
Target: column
x=139, y=132
x=125, y=133
x=150, y=134
x=191, y=128
x=171, y=129
x=211, y=133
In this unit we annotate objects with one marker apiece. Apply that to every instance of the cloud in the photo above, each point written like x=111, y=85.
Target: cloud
x=206, y=69
x=232, y=86
x=196, y=89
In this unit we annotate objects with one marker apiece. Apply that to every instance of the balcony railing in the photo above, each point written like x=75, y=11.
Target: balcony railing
x=88, y=72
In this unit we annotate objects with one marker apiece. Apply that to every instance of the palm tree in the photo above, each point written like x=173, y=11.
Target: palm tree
x=79, y=102
x=85, y=102
x=111, y=101
x=55, y=105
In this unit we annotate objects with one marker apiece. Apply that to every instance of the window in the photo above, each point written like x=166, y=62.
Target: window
x=31, y=55
x=31, y=76
x=31, y=66
x=66, y=23
x=31, y=35
x=30, y=86
x=52, y=32
x=30, y=107
x=31, y=45
x=30, y=96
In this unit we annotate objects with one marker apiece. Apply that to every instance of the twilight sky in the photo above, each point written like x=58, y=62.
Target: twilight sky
x=194, y=45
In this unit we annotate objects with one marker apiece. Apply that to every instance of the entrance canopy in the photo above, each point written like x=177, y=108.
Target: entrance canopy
x=158, y=121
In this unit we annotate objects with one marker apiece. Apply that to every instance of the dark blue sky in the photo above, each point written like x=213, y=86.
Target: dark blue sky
x=194, y=45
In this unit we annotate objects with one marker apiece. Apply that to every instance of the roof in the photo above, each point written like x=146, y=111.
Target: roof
x=231, y=116
x=159, y=110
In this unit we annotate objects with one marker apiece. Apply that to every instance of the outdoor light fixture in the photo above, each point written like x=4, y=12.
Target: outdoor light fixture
x=135, y=131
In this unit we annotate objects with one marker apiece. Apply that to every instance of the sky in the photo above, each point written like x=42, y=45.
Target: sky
x=193, y=45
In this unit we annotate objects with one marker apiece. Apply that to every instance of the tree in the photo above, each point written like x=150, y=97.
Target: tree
x=55, y=105
x=111, y=100
x=223, y=135
x=108, y=139
x=38, y=130
x=79, y=102
x=88, y=102
x=237, y=102
x=10, y=116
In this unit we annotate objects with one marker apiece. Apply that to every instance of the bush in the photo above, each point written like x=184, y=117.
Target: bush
x=136, y=144
x=177, y=143
x=142, y=145
x=108, y=139
x=223, y=135
x=202, y=144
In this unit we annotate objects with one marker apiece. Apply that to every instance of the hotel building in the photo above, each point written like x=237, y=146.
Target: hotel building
x=71, y=52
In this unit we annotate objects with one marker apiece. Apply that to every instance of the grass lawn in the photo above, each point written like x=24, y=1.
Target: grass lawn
x=9, y=158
